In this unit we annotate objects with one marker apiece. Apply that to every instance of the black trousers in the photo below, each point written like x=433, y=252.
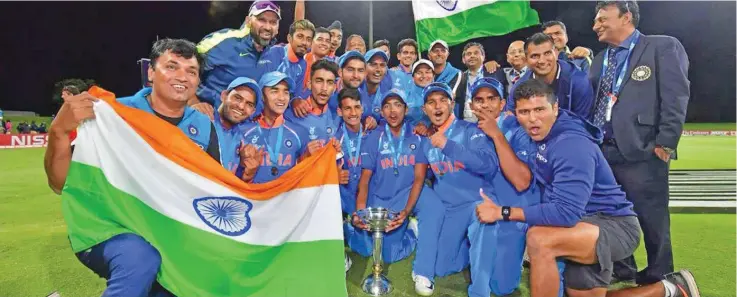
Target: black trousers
x=646, y=185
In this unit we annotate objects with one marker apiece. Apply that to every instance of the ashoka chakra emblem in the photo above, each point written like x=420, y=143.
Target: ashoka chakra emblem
x=227, y=215
x=448, y=5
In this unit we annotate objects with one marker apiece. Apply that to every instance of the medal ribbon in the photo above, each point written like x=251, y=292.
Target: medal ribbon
x=353, y=157
x=395, y=152
x=273, y=153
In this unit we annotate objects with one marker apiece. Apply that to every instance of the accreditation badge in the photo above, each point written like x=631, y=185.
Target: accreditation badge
x=610, y=105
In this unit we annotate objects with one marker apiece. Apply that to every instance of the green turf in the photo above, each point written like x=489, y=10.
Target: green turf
x=709, y=126
x=706, y=152
x=37, y=260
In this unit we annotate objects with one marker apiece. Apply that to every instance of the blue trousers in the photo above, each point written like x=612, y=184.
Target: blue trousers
x=399, y=244
x=128, y=263
x=496, y=254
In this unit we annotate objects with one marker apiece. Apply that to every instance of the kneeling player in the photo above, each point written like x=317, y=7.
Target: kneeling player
x=584, y=216
x=393, y=177
x=462, y=159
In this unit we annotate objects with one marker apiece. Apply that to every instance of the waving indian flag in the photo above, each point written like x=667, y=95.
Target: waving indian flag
x=456, y=21
x=217, y=236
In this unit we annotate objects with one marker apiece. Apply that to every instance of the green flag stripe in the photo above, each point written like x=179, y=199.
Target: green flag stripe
x=493, y=19
x=196, y=262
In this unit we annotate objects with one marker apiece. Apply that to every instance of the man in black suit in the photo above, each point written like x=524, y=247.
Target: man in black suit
x=642, y=94
x=473, y=58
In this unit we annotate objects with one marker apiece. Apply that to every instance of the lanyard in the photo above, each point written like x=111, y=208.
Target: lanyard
x=623, y=72
x=353, y=157
x=395, y=152
x=447, y=135
x=273, y=154
x=376, y=102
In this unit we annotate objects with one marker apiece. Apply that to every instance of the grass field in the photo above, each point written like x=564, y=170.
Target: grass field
x=36, y=258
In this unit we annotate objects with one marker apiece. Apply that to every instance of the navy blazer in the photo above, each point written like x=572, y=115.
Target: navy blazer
x=651, y=106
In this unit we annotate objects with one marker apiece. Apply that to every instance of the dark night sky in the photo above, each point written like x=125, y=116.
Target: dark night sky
x=44, y=42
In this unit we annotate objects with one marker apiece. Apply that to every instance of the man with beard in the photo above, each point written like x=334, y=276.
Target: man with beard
x=571, y=85
x=393, y=177
x=321, y=123
x=128, y=262
x=293, y=62
x=245, y=52
x=462, y=159
x=444, y=71
x=240, y=101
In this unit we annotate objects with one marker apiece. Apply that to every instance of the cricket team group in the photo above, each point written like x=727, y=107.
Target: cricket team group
x=481, y=166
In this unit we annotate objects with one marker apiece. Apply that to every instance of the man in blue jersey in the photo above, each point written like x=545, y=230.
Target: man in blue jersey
x=351, y=136
x=444, y=71
x=270, y=145
x=422, y=75
x=584, y=217
x=321, y=123
x=240, y=101
x=393, y=177
x=371, y=91
x=462, y=159
x=292, y=62
x=231, y=53
x=128, y=262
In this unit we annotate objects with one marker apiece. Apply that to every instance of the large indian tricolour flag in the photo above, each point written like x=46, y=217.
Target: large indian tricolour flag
x=456, y=21
x=217, y=236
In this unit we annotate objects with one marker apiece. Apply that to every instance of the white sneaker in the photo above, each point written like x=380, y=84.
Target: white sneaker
x=348, y=263
x=413, y=226
x=423, y=285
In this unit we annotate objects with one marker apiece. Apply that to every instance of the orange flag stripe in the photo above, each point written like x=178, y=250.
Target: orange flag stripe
x=166, y=139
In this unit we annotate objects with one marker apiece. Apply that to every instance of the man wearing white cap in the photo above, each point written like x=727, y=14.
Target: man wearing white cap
x=244, y=52
x=444, y=71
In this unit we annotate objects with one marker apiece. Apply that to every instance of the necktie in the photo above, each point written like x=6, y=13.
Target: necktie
x=602, y=96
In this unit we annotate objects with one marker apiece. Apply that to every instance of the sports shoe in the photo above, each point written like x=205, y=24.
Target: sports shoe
x=423, y=285
x=413, y=226
x=685, y=283
x=348, y=263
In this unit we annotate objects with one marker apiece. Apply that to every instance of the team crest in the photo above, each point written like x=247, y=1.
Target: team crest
x=412, y=146
x=377, y=110
x=641, y=73
x=448, y=5
x=288, y=143
x=193, y=130
x=386, y=150
x=226, y=215
x=330, y=130
x=254, y=139
x=542, y=147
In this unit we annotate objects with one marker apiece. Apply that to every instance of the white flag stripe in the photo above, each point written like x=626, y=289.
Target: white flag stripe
x=132, y=166
x=427, y=9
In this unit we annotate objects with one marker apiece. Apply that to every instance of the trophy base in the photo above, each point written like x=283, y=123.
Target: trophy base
x=376, y=286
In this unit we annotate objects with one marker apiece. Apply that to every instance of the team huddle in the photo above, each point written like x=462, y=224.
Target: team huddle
x=479, y=168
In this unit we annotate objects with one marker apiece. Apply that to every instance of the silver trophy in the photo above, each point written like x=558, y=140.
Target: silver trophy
x=377, y=218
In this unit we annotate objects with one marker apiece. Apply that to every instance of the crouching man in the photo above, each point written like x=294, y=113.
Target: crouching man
x=584, y=216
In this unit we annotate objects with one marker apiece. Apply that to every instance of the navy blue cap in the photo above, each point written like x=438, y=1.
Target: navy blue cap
x=395, y=93
x=275, y=77
x=370, y=55
x=245, y=81
x=435, y=87
x=349, y=54
x=487, y=82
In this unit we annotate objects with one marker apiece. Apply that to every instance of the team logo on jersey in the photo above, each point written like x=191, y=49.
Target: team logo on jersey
x=542, y=147
x=226, y=215
x=330, y=130
x=376, y=110
x=254, y=139
x=288, y=143
x=312, y=133
x=386, y=148
x=193, y=130
x=412, y=146
x=448, y=5
x=350, y=143
x=641, y=73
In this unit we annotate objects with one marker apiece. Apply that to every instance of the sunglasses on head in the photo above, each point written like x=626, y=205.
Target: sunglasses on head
x=264, y=4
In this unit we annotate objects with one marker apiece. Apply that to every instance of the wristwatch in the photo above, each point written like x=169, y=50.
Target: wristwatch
x=506, y=211
x=668, y=150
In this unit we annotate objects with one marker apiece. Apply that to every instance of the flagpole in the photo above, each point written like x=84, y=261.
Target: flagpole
x=371, y=25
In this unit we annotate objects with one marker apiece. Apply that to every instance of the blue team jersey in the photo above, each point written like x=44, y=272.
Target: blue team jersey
x=290, y=148
x=525, y=149
x=228, y=140
x=352, y=146
x=372, y=102
x=383, y=154
x=467, y=163
x=415, y=101
x=319, y=127
x=293, y=66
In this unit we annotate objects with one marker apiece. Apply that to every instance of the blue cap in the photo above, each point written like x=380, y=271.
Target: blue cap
x=395, y=93
x=487, y=82
x=275, y=77
x=245, y=81
x=350, y=54
x=370, y=55
x=436, y=87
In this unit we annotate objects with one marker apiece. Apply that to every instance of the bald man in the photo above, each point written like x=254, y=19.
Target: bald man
x=509, y=75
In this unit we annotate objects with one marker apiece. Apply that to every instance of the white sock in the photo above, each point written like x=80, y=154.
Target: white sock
x=670, y=288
